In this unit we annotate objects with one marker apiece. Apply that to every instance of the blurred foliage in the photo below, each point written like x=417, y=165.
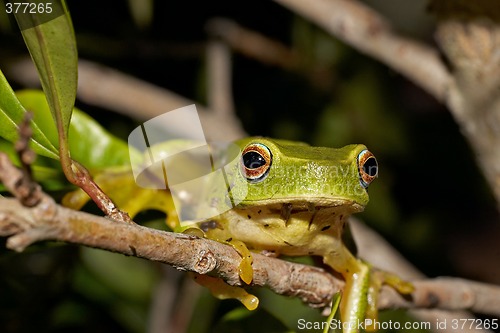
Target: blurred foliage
x=429, y=190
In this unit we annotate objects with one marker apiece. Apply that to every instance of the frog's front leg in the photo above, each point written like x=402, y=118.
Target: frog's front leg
x=216, y=232
x=217, y=286
x=362, y=285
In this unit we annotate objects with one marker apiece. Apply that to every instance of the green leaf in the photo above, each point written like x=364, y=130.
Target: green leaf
x=51, y=42
x=90, y=144
x=12, y=113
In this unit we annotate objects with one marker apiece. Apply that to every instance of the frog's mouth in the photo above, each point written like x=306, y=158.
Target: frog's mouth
x=309, y=204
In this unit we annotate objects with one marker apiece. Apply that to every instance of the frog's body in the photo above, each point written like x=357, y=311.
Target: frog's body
x=301, y=203
x=295, y=200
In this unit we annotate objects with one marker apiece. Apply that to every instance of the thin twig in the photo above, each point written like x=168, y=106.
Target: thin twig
x=26, y=190
x=219, y=77
x=252, y=44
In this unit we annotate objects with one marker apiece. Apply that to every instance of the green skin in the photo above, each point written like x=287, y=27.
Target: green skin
x=300, y=208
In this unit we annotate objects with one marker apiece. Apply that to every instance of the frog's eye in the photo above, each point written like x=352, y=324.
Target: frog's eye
x=256, y=161
x=367, y=167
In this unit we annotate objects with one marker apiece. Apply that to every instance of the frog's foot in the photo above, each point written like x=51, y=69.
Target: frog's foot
x=245, y=267
x=222, y=290
x=377, y=279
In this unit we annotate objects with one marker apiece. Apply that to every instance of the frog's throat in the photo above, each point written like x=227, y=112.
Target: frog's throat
x=291, y=228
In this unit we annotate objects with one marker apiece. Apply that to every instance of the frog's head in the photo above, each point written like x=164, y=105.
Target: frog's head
x=278, y=171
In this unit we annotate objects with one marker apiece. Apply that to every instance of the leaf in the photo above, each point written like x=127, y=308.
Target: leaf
x=51, y=42
x=90, y=144
x=12, y=113
x=93, y=146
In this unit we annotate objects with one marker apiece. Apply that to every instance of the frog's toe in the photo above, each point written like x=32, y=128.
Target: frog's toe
x=245, y=266
x=222, y=290
x=245, y=269
x=402, y=286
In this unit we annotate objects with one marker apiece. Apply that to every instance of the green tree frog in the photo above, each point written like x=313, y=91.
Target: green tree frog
x=291, y=199
x=297, y=201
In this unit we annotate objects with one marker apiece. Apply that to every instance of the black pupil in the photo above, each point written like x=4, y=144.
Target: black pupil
x=253, y=160
x=370, y=167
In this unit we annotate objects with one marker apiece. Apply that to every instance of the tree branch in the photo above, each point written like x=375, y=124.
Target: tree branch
x=49, y=221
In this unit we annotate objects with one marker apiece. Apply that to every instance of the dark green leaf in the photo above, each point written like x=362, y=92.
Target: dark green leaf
x=52, y=47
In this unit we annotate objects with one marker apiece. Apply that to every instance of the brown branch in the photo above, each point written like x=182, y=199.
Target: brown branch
x=219, y=77
x=83, y=179
x=49, y=221
x=25, y=189
x=450, y=294
x=252, y=44
x=268, y=51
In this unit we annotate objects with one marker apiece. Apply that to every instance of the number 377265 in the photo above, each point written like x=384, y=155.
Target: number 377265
x=28, y=8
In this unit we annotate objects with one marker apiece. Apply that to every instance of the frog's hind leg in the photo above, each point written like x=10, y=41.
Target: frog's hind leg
x=377, y=279
x=362, y=286
x=354, y=301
